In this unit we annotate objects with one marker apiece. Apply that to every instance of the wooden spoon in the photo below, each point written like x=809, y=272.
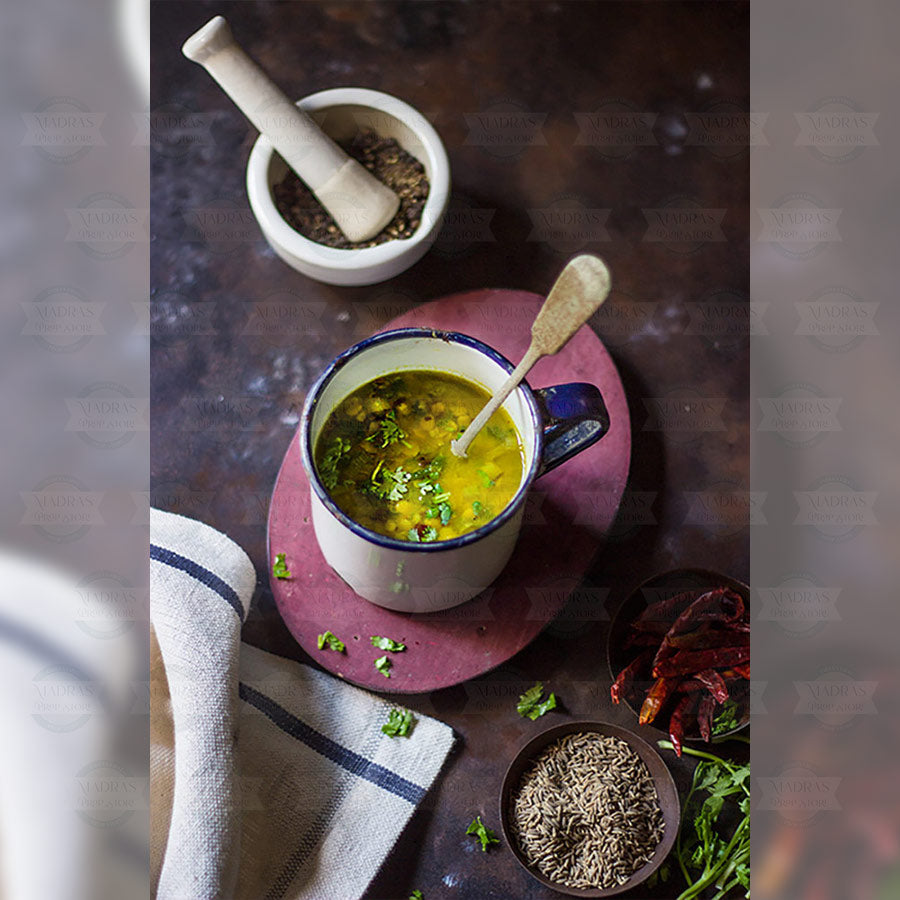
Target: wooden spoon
x=576, y=295
x=359, y=203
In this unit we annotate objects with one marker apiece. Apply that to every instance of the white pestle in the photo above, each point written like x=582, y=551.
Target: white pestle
x=576, y=295
x=360, y=204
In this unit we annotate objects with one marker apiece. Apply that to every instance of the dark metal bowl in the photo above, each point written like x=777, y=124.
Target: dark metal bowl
x=670, y=582
x=669, y=802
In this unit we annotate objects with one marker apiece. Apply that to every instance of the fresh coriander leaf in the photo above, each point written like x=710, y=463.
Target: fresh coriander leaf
x=484, y=834
x=506, y=436
x=417, y=895
x=486, y=479
x=279, y=567
x=529, y=699
x=383, y=664
x=423, y=534
x=385, y=643
x=477, y=508
x=331, y=641
x=529, y=704
x=389, y=431
x=388, y=485
x=399, y=486
x=328, y=467
x=727, y=719
x=717, y=853
x=398, y=723
x=537, y=711
x=446, y=513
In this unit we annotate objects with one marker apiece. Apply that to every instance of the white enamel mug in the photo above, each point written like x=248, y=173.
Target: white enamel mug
x=553, y=423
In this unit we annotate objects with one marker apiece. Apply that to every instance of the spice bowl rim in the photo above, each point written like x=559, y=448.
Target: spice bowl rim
x=359, y=265
x=666, y=789
x=627, y=611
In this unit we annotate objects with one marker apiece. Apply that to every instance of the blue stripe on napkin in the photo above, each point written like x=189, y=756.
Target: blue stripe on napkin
x=315, y=740
x=203, y=575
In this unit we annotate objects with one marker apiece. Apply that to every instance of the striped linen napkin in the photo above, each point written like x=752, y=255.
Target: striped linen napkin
x=269, y=779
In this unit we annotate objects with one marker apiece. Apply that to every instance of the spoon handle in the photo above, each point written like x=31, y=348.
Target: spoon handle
x=461, y=445
x=580, y=291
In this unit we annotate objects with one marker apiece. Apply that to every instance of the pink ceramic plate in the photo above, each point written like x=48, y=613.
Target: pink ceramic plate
x=567, y=514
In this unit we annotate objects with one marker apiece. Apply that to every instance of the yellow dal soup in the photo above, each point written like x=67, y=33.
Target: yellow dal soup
x=384, y=456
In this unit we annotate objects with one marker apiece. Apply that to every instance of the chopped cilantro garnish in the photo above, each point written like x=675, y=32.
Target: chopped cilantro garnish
x=398, y=723
x=331, y=641
x=383, y=664
x=486, y=480
x=385, y=643
x=417, y=895
x=328, y=467
x=727, y=719
x=389, y=485
x=426, y=477
x=389, y=432
x=279, y=567
x=441, y=510
x=529, y=705
x=484, y=834
x=504, y=435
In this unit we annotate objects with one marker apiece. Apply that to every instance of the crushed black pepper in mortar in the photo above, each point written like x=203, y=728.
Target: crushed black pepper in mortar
x=389, y=163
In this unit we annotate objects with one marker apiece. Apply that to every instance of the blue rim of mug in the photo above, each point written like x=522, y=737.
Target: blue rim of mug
x=374, y=537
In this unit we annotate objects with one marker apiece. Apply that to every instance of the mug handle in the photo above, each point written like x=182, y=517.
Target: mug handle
x=574, y=417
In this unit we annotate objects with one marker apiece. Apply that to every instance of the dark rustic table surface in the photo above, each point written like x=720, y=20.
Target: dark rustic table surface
x=607, y=127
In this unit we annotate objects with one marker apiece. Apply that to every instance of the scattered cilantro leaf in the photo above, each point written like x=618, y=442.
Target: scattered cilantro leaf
x=529, y=705
x=388, y=485
x=386, y=643
x=484, y=834
x=416, y=895
x=426, y=478
x=529, y=698
x=486, y=479
x=541, y=708
x=477, y=508
x=727, y=719
x=389, y=431
x=331, y=641
x=279, y=567
x=398, y=723
x=423, y=534
x=383, y=664
x=505, y=436
x=328, y=467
